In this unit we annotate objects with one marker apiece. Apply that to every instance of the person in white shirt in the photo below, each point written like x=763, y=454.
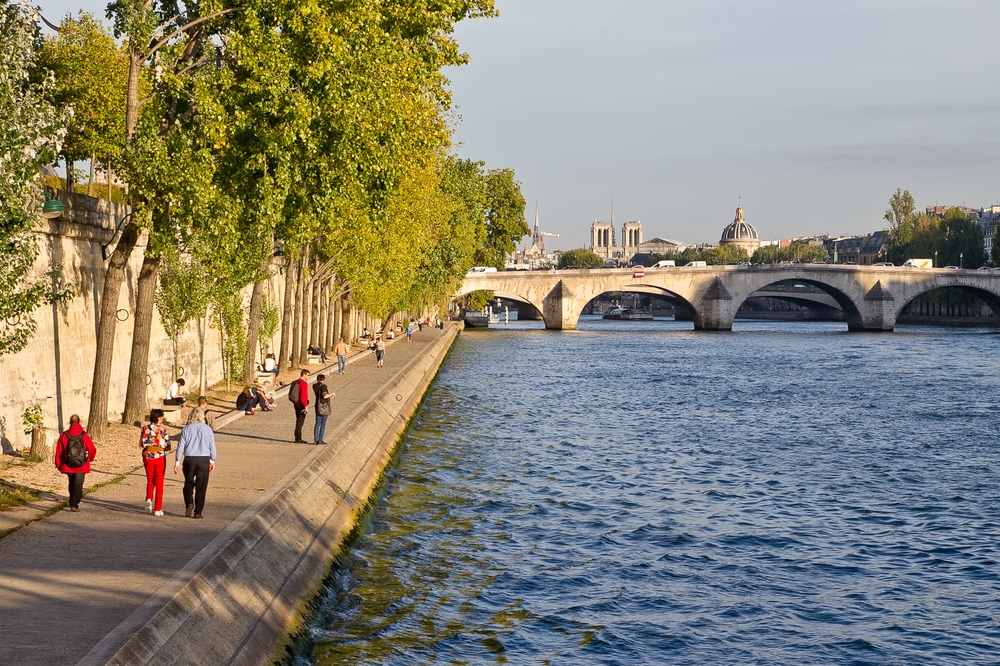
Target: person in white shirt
x=173, y=396
x=271, y=365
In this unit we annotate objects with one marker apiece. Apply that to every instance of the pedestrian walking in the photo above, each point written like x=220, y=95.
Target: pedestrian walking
x=197, y=448
x=73, y=454
x=379, y=350
x=298, y=394
x=341, y=349
x=323, y=409
x=209, y=415
x=409, y=331
x=155, y=443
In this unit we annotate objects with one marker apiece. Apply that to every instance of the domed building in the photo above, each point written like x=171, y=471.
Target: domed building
x=740, y=233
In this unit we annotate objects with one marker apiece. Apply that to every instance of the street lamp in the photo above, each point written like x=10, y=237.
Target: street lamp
x=961, y=255
x=935, y=259
x=52, y=209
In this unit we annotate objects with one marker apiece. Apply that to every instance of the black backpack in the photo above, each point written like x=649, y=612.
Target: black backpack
x=75, y=453
x=294, y=393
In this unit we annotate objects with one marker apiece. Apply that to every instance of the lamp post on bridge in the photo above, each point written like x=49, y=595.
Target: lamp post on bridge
x=935, y=260
x=961, y=257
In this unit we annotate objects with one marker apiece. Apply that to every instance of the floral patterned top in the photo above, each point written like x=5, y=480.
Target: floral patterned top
x=154, y=440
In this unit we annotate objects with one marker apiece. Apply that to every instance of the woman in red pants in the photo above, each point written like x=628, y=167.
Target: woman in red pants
x=155, y=442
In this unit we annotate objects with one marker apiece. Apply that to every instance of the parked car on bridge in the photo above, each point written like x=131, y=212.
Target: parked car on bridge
x=883, y=263
x=483, y=269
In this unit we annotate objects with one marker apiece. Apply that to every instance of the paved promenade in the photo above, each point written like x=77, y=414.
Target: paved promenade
x=79, y=583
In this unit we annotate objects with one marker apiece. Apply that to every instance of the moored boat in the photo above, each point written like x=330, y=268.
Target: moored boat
x=630, y=314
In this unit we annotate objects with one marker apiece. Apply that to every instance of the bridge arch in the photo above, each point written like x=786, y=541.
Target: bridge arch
x=989, y=296
x=846, y=299
x=511, y=295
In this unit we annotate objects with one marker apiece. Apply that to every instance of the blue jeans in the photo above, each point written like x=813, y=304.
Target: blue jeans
x=320, y=428
x=341, y=363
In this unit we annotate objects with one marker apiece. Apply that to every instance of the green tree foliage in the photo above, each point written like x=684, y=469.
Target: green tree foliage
x=957, y=240
x=724, y=254
x=805, y=253
x=91, y=73
x=581, y=258
x=902, y=218
x=505, y=223
x=182, y=296
x=30, y=129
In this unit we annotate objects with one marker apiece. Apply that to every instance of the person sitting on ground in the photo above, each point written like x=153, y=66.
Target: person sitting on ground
x=316, y=351
x=271, y=365
x=365, y=334
x=173, y=395
x=391, y=335
x=259, y=390
x=246, y=401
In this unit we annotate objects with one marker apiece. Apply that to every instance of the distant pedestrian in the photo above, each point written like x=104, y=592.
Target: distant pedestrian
x=197, y=448
x=173, y=395
x=409, y=331
x=323, y=409
x=298, y=394
x=379, y=350
x=209, y=415
x=155, y=443
x=341, y=349
x=73, y=454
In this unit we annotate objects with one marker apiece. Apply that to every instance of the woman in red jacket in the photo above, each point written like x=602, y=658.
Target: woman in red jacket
x=66, y=451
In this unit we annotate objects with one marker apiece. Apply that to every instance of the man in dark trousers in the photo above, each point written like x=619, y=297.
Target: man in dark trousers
x=73, y=454
x=300, y=404
x=197, y=448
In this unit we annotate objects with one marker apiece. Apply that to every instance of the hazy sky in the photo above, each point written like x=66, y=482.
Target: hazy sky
x=812, y=112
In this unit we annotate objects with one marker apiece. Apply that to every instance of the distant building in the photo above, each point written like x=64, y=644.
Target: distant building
x=988, y=218
x=740, y=233
x=863, y=250
x=604, y=243
x=661, y=246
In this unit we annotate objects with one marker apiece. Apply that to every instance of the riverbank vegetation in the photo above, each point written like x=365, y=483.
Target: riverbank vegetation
x=310, y=137
x=952, y=240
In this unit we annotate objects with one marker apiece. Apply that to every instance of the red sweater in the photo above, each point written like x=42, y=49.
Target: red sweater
x=74, y=429
x=303, y=392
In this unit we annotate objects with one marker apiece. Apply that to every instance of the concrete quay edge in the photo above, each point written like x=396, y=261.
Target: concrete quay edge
x=235, y=600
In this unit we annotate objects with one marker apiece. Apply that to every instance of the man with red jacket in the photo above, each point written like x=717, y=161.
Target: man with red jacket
x=300, y=404
x=71, y=468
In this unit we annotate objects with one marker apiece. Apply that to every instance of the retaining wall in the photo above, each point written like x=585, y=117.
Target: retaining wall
x=56, y=369
x=248, y=585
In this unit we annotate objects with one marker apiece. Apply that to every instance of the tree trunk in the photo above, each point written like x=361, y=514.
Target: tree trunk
x=338, y=321
x=70, y=181
x=324, y=315
x=297, y=312
x=135, y=394
x=284, y=351
x=39, y=447
x=250, y=370
x=97, y=420
x=316, y=313
x=90, y=182
x=307, y=284
x=202, y=339
x=331, y=314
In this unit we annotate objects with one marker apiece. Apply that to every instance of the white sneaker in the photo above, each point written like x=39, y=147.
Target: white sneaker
x=149, y=506
x=158, y=513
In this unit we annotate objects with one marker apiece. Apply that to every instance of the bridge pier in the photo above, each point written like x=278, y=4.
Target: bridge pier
x=876, y=311
x=716, y=312
x=560, y=310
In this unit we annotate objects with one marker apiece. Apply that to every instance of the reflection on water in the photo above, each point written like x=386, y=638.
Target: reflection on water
x=638, y=493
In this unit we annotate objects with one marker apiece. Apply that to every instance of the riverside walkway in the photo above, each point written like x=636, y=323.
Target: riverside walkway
x=75, y=587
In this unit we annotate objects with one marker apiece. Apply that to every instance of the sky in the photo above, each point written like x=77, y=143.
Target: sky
x=811, y=113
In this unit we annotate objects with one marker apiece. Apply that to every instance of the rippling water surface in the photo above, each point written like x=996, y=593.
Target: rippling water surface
x=638, y=493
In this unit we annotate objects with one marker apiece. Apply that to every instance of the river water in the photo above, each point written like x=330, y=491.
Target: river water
x=638, y=493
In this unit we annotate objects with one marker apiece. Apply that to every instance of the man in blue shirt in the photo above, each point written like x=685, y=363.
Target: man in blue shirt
x=197, y=447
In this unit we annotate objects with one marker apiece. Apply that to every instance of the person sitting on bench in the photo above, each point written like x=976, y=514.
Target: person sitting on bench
x=316, y=351
x=173, y=396
x=271, y=365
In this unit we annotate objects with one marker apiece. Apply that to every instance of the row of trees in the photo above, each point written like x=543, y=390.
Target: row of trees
x=310, y=136
x=720, y=254
x=954, y=239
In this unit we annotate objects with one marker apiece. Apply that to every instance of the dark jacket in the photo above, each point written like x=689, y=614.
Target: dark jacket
x=74, y=429
x=319, y=388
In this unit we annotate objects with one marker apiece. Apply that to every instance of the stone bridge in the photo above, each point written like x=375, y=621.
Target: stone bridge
x=870, y=296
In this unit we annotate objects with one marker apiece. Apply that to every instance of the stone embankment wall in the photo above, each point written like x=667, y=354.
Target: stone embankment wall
x=55, y=370
x=239, y=605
